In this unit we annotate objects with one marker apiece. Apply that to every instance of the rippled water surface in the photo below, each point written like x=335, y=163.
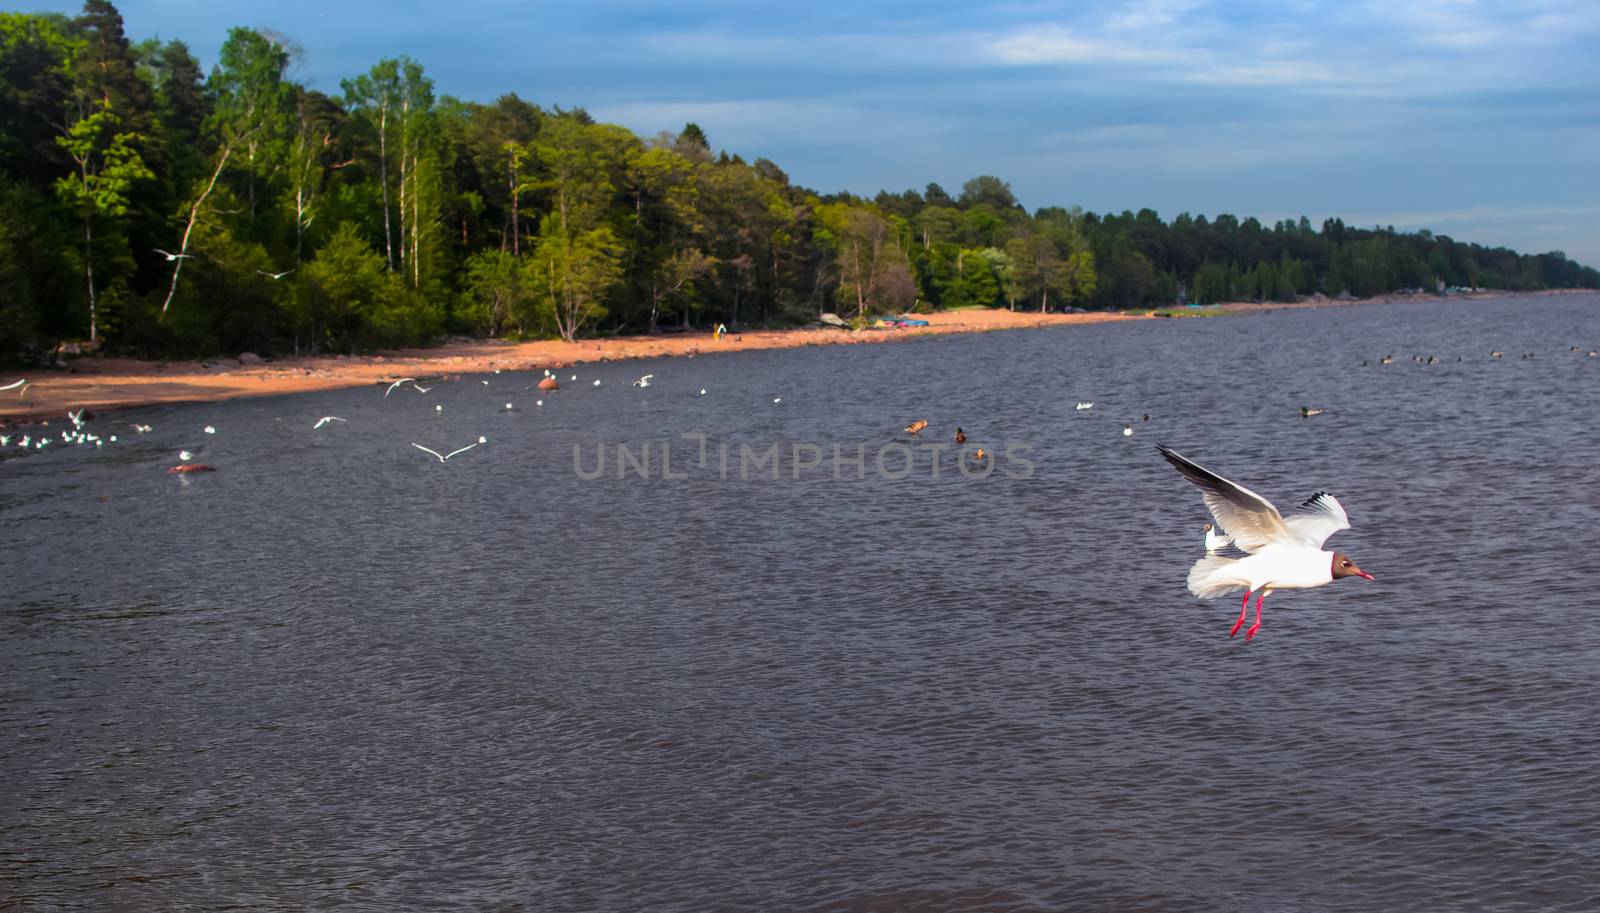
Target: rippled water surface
x=339, y=674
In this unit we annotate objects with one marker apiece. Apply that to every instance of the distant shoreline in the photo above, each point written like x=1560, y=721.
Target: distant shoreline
x=118, y=383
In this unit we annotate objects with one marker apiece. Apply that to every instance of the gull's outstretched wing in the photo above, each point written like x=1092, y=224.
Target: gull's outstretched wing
x=462, y=450
x=1320, y=517
x=1250, y=519
x=436, y=453
x=396, y=384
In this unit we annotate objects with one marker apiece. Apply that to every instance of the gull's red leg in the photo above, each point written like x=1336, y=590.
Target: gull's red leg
x=1243, y=607
x=1257, y=626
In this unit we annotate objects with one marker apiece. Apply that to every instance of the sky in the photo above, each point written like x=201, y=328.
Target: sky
x=1478, y=120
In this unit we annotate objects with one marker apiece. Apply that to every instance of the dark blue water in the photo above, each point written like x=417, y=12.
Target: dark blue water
x=337, y=673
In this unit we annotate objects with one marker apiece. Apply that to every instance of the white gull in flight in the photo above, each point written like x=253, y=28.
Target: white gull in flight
x=1281, y=553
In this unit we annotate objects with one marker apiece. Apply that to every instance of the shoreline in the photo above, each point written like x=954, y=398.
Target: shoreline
x=123, y=383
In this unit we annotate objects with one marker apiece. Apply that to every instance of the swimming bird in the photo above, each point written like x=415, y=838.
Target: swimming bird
x=1083, y=406
x=1386, y=360
x=140, y=428
x=777, y=399
x=981, y=455
x=185, y=455
x=1127, y=431
x=210, y=430
x=438, y=410
x=325, y=420
x=703, y=389
x=538, y=402
x=1282, y=553
x=1307, y=411
x=1216, y=538
x=1497, y=354
x=171, y=256
x=510, y=407
x=917, y=426
x=597, y=381
x=961, y=436
x=403, y=380
x=274, y=275
x=485, y=383
x=446, y=456
x=573, y=377
x=641, y=382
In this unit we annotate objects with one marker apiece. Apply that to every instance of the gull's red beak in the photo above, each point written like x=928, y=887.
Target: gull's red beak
x=1366, y=575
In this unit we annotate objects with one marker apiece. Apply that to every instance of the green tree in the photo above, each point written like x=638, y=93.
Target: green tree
x=106, y=167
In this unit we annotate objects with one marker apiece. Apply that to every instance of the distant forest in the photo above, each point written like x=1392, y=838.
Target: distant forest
x=156, y=210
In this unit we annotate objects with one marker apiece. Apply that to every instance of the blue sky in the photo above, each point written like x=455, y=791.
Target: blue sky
x=1480, y=120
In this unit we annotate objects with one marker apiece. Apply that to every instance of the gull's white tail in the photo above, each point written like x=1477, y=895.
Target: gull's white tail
x=1214, y=576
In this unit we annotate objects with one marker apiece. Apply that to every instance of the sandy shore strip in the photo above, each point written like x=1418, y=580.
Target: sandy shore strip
x=113, y=383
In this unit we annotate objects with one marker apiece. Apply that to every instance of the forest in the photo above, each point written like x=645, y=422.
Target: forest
x=153, y=209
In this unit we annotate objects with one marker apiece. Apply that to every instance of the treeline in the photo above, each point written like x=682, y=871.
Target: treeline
x=150, y=207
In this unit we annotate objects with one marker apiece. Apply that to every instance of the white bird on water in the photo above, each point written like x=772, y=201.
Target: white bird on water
x=210, y=430
x=1281, y=553
x=702, y=391
x=643, y=381
x=597, y=381
x=325, y=420
x=443, y=457
x=1083, y=406
x=538, y=402
x=1127, y=431
x=403, y=380
x=185, y=455
x=1216, y=539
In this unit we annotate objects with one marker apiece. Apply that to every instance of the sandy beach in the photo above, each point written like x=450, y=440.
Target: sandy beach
x=111, y=383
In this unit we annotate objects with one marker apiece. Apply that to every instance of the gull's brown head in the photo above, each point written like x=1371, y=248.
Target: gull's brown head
x=1344, y=567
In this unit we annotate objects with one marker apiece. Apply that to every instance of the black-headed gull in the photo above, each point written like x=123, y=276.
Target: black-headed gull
x=1281, y=553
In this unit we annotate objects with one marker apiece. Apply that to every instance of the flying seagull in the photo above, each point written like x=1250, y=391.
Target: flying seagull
x=325, y=420
x=171, y=256
x=643, y=381
x=446, y=456
x=420, y=388
x=403, y=380
x=1281, y=553
x=15, y=385
x=274, y=275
